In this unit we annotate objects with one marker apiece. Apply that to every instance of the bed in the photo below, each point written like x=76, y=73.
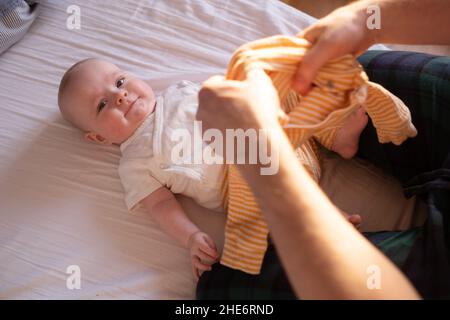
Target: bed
x=61, y=201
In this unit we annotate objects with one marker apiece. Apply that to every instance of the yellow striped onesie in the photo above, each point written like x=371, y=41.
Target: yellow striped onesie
x=340, y=87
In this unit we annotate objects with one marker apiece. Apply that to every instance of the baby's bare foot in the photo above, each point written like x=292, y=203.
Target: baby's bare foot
x=347, y=138
x=354, y=219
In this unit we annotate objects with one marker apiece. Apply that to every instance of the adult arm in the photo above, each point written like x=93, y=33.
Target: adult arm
x=323, y=255
x=345, y=31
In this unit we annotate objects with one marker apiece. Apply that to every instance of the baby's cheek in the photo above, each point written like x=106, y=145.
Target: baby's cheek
x=118, y=124
x=123, y=131
x=139, y=110
x=147, y=89
x=123, y=125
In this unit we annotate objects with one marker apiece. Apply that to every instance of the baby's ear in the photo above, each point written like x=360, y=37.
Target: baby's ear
x=96, y=138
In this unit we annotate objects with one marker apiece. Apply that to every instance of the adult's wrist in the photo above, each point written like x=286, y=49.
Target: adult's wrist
x=372, y=34
x=357, y=16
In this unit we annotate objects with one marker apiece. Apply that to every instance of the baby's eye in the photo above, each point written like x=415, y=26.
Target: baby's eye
x=101, y=105
x=120, y=82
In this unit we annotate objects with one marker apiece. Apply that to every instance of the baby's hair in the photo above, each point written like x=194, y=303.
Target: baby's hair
x=65, y=81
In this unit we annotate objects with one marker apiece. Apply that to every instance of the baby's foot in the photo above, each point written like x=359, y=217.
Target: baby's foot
x=354, y=219
x=347, y=138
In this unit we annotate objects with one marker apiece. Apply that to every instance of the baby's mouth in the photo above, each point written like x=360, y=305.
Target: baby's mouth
x=131, y=106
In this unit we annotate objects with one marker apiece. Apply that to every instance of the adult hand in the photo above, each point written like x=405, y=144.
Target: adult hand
x=342, y=32
x=252, y=103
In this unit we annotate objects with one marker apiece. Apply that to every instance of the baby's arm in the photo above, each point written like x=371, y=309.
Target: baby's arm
x=170, y=216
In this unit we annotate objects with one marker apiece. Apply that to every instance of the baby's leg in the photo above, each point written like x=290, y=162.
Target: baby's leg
x=347, y=138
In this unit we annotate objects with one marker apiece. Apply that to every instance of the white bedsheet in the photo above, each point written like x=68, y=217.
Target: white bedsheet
x=61, y=201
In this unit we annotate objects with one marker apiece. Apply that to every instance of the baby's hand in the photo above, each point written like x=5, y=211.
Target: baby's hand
x=203, y=252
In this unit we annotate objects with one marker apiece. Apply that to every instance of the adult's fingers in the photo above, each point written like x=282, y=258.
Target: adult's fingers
x=257, y=74
x=311, y=63
x=312, y=33
x=214, y=80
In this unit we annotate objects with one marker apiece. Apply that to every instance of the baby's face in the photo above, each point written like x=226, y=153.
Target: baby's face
x=112, y=103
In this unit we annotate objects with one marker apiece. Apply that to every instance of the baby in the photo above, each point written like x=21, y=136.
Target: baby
x=114, y=107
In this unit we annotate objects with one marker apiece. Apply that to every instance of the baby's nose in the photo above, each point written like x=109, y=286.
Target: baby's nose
x=120, y=97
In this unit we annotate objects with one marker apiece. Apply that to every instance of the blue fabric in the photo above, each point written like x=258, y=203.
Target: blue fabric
x=8, y=5
x=16, y=17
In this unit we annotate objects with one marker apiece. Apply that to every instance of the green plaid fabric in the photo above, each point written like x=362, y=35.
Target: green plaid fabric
x=421, y=164
x=223, y=283
x=396, y=245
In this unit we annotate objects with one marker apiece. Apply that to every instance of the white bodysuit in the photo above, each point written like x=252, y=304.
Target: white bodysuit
x=147, y=163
